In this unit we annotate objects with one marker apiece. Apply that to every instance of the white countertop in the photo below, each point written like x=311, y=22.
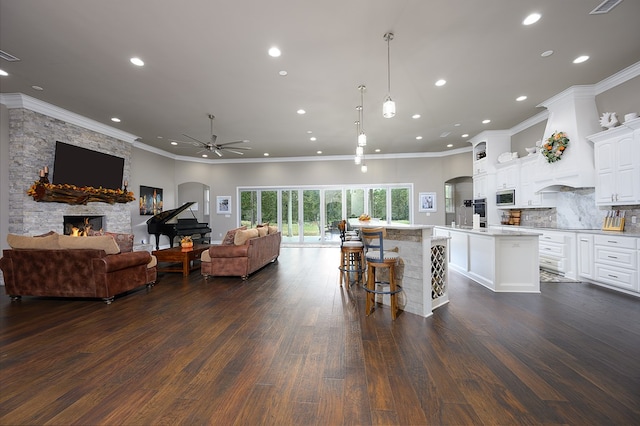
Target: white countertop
x=492, y=232
x=576, y=230
x=378, y=223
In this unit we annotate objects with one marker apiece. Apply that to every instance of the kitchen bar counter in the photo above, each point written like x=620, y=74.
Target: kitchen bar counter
x=502, y=261
x=627, y=233
x=423, y=265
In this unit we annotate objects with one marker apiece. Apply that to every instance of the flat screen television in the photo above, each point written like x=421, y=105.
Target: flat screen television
x=81, y=167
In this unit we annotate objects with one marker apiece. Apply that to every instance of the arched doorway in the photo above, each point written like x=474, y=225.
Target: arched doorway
x=456, y=191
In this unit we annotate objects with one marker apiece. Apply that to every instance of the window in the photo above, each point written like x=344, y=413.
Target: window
x=311, y=214
x=449, y=198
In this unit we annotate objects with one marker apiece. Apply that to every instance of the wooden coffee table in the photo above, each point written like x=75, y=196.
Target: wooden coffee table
x=187, y=260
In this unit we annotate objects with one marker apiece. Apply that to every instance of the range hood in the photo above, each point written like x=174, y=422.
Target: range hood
x=573, y=112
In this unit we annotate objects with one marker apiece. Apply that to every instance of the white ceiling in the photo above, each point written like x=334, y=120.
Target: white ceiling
x=210, y=56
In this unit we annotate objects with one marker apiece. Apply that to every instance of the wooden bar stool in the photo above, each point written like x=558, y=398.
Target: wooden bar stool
x=376, y=257
x=351, y=257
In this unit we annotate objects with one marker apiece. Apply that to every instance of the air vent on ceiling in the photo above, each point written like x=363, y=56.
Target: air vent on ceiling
x=8, y=56
x=605, y=7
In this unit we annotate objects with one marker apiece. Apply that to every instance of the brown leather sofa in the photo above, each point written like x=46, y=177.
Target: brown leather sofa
x=75, y=272
x=241, y=260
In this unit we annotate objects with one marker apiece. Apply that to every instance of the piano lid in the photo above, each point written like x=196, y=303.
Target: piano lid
x=167, y=215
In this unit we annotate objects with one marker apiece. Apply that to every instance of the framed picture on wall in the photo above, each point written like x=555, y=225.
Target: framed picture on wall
x=150, y=200
x=223, y=204
x=427, y=202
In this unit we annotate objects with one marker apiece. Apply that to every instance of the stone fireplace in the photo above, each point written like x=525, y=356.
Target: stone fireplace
x=82, y=225
x=32, y=139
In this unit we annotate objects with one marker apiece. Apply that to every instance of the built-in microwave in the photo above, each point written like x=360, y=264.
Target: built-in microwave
x=506, y=197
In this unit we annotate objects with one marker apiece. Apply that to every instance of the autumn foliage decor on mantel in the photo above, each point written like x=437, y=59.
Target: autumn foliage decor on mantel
x=71, y=194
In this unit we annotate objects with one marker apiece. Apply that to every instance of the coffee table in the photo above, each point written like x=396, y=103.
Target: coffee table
x=185, y=259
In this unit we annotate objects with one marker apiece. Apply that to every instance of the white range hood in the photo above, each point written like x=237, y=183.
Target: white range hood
x=573, y=112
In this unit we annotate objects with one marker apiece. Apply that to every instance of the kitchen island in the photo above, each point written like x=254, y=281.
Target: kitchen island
x=502, y=261
x=423, y=268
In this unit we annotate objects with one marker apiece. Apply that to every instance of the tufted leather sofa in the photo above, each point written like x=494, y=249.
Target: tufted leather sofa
x=75, y=272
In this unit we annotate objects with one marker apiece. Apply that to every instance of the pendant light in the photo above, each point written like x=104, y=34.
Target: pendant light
x=389, y=106
x=359, y=150
x=362, y=137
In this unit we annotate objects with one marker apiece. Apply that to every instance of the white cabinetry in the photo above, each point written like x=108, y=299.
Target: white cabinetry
x=617, y=162
x=507, y=176
x=480, y=186
x=525, y=194
x=585, y=255
x=616, y=261
x=557, y=252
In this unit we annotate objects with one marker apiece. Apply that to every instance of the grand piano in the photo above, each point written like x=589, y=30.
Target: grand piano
x=166, y=223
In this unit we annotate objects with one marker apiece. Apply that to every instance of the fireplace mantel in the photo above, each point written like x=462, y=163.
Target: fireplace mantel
x=71, y=194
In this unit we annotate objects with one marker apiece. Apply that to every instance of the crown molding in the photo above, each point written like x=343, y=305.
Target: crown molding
x=20, y=100
x=618, y=78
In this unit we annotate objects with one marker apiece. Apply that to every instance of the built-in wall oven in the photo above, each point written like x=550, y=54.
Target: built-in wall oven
x=480, y=208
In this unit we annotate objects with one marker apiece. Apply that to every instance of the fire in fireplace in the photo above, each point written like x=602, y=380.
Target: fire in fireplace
x=82, y=225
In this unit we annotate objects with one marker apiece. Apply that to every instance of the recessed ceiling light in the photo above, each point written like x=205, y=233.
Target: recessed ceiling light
x=531, y=19
x=546, y=53
x=205, y=156
x=274, y=52
x=115, y=119
x=441, y=82
x=38, y=88
x=312, y=138
x=449, y=145
x=174, y=143
x=266, y=154
x=457, y=125
x=318, y=152
x=415, y=116
x=419, y=138
x=4, y=73
x=137, y=61
x=159, y=137
x=301, y=111
x=580, y=59
x=283, y=73
x=309, y=132
x=377, y=150
x=486, y=121
x=465, y=135
x=521, y=98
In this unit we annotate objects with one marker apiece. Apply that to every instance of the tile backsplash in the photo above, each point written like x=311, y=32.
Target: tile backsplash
x=576, y=209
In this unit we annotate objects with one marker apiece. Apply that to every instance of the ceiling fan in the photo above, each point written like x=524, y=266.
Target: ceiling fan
x=214, y=147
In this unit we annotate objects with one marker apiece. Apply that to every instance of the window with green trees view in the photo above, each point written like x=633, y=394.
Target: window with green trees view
x=312, y=214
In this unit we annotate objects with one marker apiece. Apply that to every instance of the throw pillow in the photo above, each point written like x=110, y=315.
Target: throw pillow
x=124, y=241
x=231, y=235
x=262, y=231
x=48, y=242
x=272, y=229
x=245, y=235
x=99, y=242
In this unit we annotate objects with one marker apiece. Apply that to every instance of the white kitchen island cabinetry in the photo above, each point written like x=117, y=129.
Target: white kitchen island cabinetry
x=502, y=261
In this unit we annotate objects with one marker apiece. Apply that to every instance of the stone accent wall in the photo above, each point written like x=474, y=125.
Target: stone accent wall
x=32, y=139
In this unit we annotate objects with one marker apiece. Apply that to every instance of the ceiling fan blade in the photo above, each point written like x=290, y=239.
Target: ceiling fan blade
x=218, y=152
x=231, y=143
x=234, y=151
x=241, y=148
x=194, y=139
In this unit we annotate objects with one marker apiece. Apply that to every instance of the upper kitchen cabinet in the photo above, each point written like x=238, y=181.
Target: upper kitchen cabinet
x=617, y=162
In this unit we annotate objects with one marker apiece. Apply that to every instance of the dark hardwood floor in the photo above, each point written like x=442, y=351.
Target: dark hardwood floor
x=290, y=346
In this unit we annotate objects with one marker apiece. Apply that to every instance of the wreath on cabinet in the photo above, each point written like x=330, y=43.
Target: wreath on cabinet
x=554, y=146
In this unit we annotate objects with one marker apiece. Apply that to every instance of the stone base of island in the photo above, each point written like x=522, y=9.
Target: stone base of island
x=502, y=261
x=423, y=265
